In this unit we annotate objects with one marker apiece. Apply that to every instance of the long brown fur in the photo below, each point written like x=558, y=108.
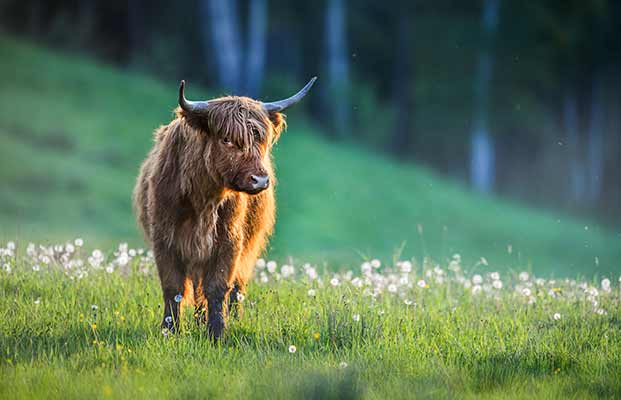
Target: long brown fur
x=193, y=204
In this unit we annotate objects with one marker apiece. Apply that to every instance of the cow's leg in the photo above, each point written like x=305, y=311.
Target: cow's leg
x=235, y=299
x=217, y=285
x=172, y=277
x=200, y=302
x=217, y=290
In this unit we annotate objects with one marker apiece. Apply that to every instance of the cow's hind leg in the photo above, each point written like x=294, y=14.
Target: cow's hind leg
x=236, y=299
x=200, y=302
x=172, y=278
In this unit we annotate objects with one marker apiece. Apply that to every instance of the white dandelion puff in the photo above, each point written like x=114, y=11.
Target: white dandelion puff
x=292, y=349
x=523, y=276
x=356, y=317
x=556, y=316
x=421, y=283
x=606, y=285
x=311, y=292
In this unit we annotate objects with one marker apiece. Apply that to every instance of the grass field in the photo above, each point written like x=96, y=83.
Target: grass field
x=529, y=310
x=73, y=133
x=76, y=325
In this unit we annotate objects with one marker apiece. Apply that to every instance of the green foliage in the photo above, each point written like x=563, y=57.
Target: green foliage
x=73, y=134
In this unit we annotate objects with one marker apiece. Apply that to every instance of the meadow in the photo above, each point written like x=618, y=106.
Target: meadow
x=386, y=280
x=82, y=324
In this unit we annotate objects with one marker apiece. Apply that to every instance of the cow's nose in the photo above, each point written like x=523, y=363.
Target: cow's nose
x=260, y=181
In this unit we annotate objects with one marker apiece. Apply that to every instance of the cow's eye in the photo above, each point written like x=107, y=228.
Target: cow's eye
x=227, y=142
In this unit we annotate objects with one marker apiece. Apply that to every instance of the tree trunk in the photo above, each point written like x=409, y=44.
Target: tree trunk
x=403, y=89
x=338, y=69
x=220, y=28
x=595, y=144
x=482, y=151
x=257, y=37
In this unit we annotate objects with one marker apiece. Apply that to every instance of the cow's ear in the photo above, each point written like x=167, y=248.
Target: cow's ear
x=279, y=123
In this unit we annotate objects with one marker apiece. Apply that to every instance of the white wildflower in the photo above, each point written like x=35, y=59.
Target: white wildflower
x=271, y=266
x=606, y=285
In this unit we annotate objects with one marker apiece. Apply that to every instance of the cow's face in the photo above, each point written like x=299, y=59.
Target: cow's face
x=239, y=141
x=239, y=134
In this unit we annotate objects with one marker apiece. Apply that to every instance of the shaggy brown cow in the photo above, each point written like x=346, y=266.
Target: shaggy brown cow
x=205, y=201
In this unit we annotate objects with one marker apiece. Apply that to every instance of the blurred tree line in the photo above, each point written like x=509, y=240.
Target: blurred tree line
x=518, y=98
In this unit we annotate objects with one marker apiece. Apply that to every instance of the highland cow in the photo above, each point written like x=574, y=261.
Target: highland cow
x=205, y=201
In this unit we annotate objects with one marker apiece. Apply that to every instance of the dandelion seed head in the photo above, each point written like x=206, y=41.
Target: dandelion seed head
x=292, y=349
x=556, y=316
x=271, y=266
x=523, y=276
x=356, y=317
x=477, y=279
x=421, y=283
x=343, y=365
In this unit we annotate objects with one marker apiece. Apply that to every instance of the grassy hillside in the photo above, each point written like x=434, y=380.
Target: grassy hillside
x=73, y=133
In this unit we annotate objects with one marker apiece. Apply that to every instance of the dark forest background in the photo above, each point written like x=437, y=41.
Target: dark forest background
x=520, y=99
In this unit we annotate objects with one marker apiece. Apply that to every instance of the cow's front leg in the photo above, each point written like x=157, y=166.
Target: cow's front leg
x=172, y=277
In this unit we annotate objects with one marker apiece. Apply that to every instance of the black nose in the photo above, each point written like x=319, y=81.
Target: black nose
x=260, y=182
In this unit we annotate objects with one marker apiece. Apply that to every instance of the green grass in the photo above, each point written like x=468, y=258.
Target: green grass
x=73, y=134
x=450, y=343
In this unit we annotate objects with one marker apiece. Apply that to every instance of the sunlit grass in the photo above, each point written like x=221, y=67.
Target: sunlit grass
x=84, y=324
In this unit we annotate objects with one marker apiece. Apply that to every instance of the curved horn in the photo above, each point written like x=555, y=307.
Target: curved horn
x=281, y=105
x=190, y=106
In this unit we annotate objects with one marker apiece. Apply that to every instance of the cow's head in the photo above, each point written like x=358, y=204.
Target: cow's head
x=239, y=134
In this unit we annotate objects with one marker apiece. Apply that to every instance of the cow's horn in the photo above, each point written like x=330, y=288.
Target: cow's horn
x=281, y=105
x=190, y=106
